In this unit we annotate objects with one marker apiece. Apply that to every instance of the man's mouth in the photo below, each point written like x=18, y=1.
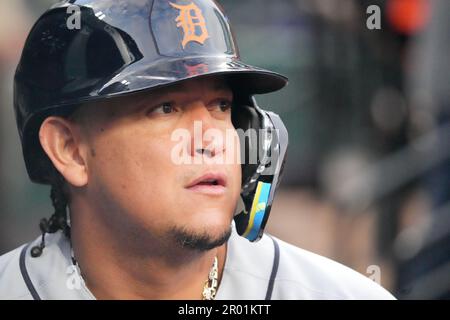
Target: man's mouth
x=210, y=183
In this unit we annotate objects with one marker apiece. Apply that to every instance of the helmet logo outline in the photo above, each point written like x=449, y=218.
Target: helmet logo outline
x=197, y=69
x=190, y=20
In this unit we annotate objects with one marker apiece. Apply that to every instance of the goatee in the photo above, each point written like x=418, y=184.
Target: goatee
x=199, y=241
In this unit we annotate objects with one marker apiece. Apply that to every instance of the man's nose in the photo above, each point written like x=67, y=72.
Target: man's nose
x=206, y=136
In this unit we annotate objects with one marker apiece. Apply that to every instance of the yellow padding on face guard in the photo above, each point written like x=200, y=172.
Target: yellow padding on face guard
x=258, y=211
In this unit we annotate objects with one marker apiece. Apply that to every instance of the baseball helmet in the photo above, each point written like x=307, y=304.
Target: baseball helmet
x=82, y=51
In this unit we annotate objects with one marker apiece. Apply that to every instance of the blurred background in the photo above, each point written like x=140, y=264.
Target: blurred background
x=367, y=182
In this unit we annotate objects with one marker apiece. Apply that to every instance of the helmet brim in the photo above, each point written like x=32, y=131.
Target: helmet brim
x=248, y=79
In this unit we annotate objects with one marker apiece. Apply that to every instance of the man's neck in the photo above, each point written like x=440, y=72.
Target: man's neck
x=150, y=280
x=112, y=271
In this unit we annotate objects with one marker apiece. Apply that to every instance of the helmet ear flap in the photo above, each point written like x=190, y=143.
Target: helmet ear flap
x=245, y=117
x=264, y=143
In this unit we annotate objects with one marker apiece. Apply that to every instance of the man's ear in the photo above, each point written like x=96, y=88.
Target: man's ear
x=60, y=140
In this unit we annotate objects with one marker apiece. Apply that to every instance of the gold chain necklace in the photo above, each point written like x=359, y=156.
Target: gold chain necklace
x=210, y=288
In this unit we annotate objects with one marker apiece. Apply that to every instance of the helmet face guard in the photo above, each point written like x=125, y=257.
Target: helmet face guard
x=128, y=46
x=260, y=180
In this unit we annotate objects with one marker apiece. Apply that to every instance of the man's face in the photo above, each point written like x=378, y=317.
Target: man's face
x=135, y=177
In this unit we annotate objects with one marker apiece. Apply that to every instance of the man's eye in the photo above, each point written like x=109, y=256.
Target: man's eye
x=164, y=108
x=224, y=105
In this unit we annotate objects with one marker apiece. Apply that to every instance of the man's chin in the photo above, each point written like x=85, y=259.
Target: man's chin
x=200, y=240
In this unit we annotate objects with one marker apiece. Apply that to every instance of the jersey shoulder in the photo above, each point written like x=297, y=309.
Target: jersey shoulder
x=12, y=284
x=302, y=273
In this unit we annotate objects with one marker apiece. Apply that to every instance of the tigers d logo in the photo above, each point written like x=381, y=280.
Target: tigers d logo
x=193, y=23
